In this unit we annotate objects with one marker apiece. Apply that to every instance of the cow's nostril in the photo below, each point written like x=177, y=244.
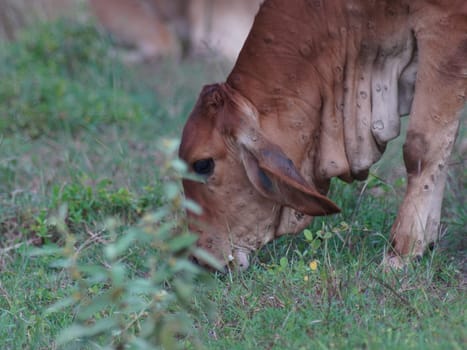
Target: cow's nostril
x=194, y=260
x=241, y=259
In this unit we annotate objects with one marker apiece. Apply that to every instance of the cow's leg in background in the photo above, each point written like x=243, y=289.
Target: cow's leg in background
x=440, y=95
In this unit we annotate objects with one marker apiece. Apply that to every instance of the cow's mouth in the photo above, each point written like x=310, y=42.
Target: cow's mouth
x=238, y=260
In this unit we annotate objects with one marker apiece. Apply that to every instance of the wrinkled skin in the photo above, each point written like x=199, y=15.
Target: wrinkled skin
x=317, y=92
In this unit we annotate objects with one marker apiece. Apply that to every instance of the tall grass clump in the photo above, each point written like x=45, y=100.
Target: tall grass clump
x=57, y=77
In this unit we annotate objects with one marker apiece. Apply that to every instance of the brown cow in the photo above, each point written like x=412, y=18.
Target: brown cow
x=317, y=92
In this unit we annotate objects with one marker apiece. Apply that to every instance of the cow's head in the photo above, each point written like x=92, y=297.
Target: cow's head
x=248, y=180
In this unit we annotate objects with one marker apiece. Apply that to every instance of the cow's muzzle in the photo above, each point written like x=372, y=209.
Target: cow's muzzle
x=238, y=260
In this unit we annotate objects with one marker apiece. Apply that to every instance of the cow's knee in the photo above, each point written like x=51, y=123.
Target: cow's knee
x=415, y=151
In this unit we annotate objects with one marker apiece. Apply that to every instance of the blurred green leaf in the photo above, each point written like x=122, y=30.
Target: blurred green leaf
x=283, y=262
x=207, y=258
x=118, y=274
x=112, y=251
x=192, y=206
x=171, y=190
x=179, y=166
x=97, y=304
x=141, y=286
x=62, y=263
x=315, y=244
x=187, y=266
x=77, y=331
x=182, y=242
x=308, y=235
x=94, y=273
x=45, y=250
x=141, y=344
x=183, y=290
x=60, y=305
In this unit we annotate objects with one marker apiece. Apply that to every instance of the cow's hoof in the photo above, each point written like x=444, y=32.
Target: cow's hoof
x=392, y=261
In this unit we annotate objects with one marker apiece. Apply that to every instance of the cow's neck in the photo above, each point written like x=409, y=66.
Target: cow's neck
x=287, y=80
x=327, y=81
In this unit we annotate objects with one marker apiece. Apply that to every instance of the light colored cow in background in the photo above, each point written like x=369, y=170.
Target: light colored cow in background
x=138, y=24
x=154, y=28
x=17, y=14
x=221, y=25
x=164, y=27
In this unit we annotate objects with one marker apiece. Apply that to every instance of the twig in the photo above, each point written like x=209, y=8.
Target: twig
x=456, y=163
x=393, y=291
x=5, y=294
x=16, y=246
x=95, y=237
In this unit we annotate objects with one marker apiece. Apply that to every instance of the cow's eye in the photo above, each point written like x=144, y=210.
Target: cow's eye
x=204, y=166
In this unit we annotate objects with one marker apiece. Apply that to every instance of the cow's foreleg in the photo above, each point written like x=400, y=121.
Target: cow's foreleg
x=417, y=222
x=440, y=95
x=433, y=125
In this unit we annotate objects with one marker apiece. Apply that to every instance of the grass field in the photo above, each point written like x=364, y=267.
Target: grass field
x=80, y=143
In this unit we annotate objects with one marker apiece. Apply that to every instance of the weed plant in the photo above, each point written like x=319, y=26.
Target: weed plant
x=119, y=305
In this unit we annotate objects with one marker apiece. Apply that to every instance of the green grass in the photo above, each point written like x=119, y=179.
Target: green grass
x=77, y=128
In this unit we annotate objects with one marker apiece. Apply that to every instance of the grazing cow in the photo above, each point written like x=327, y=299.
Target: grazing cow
x=317, y=91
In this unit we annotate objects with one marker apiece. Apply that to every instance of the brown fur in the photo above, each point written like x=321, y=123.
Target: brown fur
x=317, y=92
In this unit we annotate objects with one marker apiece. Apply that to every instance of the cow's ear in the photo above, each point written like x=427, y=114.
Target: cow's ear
x=268, y=168
x=213, y=97
x=276, y=178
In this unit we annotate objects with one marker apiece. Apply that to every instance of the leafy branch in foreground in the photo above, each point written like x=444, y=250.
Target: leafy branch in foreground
x=148, y=309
